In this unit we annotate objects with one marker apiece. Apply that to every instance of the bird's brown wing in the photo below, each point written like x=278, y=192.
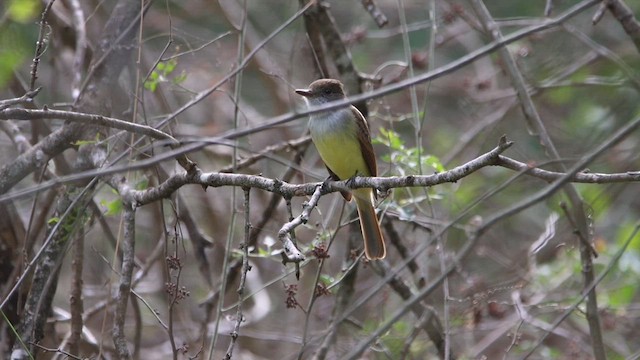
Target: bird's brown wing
x=364, y=138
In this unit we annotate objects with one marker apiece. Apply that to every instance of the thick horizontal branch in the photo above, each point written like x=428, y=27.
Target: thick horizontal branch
x=290, y=190
x=216, y=179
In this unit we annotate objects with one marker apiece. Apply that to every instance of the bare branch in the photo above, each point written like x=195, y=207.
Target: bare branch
x=585, y=177
x=243, y=278
x=377, y=15
x=88, y=119
x=126, y=272
x=76, y=303
x=291, y=251
x=24, y=99
x=41, y=44
x=621, y=11
x=176, y=181
x=78, y=21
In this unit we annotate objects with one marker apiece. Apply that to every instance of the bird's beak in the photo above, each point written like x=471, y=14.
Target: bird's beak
x=304, y=92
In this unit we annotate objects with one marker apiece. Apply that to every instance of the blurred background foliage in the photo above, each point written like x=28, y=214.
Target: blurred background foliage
x=585, y=85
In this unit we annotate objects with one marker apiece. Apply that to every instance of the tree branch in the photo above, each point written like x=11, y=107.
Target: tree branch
x=122, y=297
x=87, y=119
x=624, y=15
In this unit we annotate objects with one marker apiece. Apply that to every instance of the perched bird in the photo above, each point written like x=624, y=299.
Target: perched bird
x=343, y=140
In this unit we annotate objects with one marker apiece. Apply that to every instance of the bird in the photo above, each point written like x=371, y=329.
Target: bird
x=343, y=140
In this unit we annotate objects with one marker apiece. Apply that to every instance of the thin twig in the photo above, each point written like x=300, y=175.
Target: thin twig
x=243, y=278
x=621, y=11
x=267, y=152
x=294, y=240
x=40, y=44
x=58, y=350
x=548, y=8
x=151, y=309
x=373, y=10
x=27, y=98
x=629, y=71
x=78, y=20
x=583, y=239
x=137, y=331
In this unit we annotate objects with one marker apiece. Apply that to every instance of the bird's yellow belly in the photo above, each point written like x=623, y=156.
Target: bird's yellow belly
x=342, y=154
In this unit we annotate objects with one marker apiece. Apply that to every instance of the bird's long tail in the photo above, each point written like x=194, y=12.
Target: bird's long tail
x=374, y=247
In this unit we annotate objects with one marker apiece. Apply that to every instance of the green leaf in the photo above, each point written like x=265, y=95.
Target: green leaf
x=622, y=296
x=434, y=162
x=113, y=207
x=389, y=138
x=171, y=65
x=326, y=279
x=83, y=142
x=23, y=11
x=561, y=95
x=162, y=73
x=142, y=184
x=15, y=40
x=151, y=85
x=624, y=232
x=180, y=78
x=263, y=252
x=597, y=199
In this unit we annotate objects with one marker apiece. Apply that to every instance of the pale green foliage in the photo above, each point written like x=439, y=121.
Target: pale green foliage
x=23, y=11
x=162, y=73
x=407, y=160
